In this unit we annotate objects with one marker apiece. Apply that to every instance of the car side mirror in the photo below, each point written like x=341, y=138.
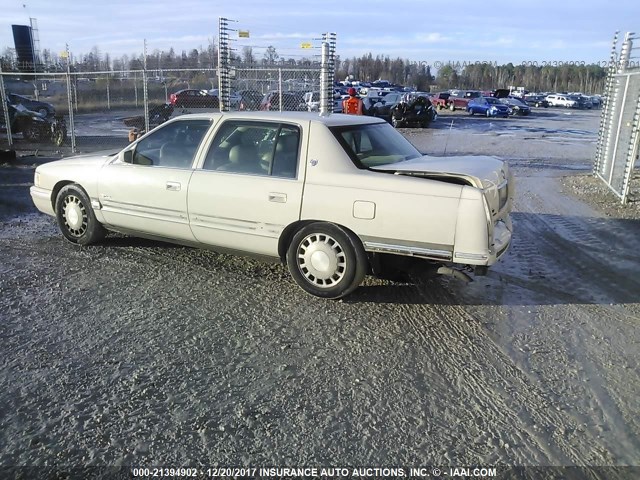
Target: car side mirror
x=127, y=156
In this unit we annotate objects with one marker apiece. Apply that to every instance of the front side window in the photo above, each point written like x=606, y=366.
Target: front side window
x=256, y=148
x=374, y=144
x=172, y=145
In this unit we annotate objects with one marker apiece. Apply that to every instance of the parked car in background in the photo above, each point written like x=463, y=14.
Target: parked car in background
x=516, y=106
x=332, y=197
x=583, y=101
x=43, y=108
x=158, y=114
x=413, y=110
x=596, y=100
x=534, y=100
x=34, y=126
x=558, y=100
x=383, y=107
x=459, y=99
x=250, y=99
x=440, y=100
x=291, y=101
x=192, y=98
x=488, y=106
x=234, y=98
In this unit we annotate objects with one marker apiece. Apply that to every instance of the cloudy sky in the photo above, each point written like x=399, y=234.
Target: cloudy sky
x=551, y=31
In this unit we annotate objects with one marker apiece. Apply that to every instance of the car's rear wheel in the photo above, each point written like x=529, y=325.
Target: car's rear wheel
x=488, y=113
x=326, y=261
x=452, y=107
x=75, y=216
x=31, y=132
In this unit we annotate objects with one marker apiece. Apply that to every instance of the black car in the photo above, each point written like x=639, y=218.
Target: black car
x=43, y=108
x=290, y=101
x=383, y=107
x=516, y=106
x=416, y=110
x=33, y=126
x=536, y=101
x=250, y=99
x=193, y=98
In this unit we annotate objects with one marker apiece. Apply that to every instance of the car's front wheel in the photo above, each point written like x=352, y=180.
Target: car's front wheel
x=396, y=123
x=488, y=113
x=75, y=216
x=326, y=260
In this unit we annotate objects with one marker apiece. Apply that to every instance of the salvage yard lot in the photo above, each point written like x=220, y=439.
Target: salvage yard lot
x=136, y=352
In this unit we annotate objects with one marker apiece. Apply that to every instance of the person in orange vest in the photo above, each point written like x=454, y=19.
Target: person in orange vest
x=353, y=105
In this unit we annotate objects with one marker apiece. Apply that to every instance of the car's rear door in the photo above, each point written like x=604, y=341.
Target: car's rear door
x=249, y=186
x=146, y=190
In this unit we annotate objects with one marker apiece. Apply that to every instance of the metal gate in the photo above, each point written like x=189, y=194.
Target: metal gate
x=619, y=136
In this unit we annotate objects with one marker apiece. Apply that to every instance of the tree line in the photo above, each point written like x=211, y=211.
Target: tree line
x=366, y=68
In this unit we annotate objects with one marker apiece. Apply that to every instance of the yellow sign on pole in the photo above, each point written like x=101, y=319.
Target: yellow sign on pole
x=306, y=45
x=243, y=33
x=63, y=54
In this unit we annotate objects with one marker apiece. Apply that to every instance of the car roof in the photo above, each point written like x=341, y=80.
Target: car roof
x=332, y=120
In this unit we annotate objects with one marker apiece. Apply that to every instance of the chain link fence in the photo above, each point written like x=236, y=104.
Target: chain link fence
x=97, y=110
x=619, y=138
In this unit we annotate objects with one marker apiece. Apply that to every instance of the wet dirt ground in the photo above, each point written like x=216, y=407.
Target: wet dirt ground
x=140, y=353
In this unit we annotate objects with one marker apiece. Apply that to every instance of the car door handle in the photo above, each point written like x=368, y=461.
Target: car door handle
x=278, y=197
x=173, y=186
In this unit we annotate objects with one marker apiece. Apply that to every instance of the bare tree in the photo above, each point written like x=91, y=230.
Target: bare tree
x=247, y=56
x=271, y=55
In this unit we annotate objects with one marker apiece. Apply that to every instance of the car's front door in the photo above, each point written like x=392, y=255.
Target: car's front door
x=249, y=187
x=145, y=190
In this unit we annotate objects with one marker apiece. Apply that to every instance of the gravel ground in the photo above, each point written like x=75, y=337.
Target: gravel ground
x=140, y=353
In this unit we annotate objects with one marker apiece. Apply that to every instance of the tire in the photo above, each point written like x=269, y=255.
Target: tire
x=488, y=114
x=452, y=107
x=43, y=111
x=326, y=261
x=396, y=123
x=31, y=132
x=470, y=110
x=58, y=136
x=75, y=216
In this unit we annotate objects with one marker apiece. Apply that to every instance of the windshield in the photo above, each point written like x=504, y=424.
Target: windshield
x=492, y=100
x=374, y=144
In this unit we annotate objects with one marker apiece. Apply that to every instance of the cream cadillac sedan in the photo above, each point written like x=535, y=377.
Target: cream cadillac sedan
x=334, y=197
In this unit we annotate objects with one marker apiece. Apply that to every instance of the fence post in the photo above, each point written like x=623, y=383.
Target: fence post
x=324, y=79
x=280, y=86
x=70, y=104
x=224, y=82
x=3, y=98
x=145, y=93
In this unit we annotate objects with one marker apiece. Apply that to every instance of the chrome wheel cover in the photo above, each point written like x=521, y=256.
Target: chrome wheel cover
x=75, y=216
x=321, y=260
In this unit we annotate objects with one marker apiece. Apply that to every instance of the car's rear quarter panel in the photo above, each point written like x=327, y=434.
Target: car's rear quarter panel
x=407, y=209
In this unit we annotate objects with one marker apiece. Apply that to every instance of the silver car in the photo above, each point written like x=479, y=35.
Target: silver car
x=333, y=197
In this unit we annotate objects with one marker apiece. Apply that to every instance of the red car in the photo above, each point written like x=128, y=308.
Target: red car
x=192, y=98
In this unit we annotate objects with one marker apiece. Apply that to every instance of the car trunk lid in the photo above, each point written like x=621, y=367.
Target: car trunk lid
x=490, y=174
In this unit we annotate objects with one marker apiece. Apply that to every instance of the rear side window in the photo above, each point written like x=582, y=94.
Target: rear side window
x=374, y=144
x=255, y=148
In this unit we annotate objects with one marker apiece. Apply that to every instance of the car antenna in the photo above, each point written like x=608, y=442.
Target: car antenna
x=447, y=141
